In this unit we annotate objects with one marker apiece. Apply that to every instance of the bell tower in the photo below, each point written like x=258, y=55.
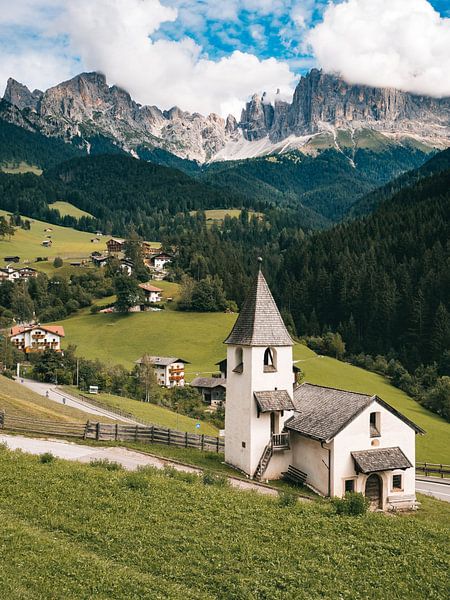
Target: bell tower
x=259, y=385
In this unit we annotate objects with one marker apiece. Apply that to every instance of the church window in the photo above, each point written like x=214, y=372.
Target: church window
x=375, y=424
x=270, y=358
x=349, y=485
x=396, y=482
x=239, y=361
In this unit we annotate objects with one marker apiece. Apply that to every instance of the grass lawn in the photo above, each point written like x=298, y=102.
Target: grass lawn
x=18, y=169
x=112, y=534
x=67, y=243
x=65, y=208
x=19, y=400
x=152, y=413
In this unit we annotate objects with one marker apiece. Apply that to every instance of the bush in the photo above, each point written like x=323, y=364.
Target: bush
x=215, y=479
x=104, y=463
x=287, y=499
x=181, y=475
x=46, y=458
x=136, y=481
x=58, y=262
x=352, y=503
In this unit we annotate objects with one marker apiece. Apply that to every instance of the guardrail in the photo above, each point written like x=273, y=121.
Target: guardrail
x=433, y=469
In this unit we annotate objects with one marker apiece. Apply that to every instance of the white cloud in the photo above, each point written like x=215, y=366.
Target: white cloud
x=387, y=43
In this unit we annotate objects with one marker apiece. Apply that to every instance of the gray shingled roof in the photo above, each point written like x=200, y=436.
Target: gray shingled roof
x=259, y=322
x=208, y=382
x=380, y=459
x=322, y=412
x=163, y=360
x=273, y=400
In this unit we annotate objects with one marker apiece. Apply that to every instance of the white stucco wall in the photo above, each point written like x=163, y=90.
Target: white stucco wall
x=310, y=457
x=242, y=424
x=356, y=436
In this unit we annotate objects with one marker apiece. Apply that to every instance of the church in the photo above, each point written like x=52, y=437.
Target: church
x=334, y=441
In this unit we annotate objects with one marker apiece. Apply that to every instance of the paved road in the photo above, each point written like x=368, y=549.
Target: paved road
x=434, y=486
x=63, y=398
x=129, y=459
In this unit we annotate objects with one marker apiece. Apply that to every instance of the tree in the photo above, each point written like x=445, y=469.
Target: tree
x=128, y=293
x=5, y=228
x=208, y=296
x=58, y=262
x=147, y=377
x=21, y=303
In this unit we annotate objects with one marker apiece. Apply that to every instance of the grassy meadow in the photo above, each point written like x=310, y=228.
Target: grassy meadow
x=19, y=400
x=198, y=338
x=77, y=531
x=67, y=243
x=67, y=209
x=20, y=168
x=158, y=415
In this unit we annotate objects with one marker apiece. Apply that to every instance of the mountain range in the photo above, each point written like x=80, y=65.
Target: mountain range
x=325, y=113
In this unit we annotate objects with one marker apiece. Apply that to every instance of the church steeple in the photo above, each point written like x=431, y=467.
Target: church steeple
x=259, y=322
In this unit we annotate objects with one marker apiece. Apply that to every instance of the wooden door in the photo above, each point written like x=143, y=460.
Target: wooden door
x=374, y=491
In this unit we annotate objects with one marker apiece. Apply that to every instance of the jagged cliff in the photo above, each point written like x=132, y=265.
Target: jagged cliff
x=323, y=107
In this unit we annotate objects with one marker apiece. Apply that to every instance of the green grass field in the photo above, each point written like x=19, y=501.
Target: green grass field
x=67, y=243
x=96, y=533
x=20, y=168
x=65, y=208
x=19, y=400
x=198, y=338
x=152, y=413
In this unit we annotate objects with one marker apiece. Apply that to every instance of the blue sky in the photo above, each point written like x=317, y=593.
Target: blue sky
x=211, y=55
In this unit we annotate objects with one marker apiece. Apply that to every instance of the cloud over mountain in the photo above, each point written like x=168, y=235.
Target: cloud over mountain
x=386, y=43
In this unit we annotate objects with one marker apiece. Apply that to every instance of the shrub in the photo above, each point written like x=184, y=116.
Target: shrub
x=136, y=481
x=286, y=499
x=215, y=479
x=104, y=463
x=181, y=475
x=352, y=503
x=58, y=262
x=46, y=458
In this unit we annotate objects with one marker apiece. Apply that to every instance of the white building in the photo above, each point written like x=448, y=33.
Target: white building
x=37, y=338
x=160, y=261
x=337, y=440
x=169, y=370
x=152, y=293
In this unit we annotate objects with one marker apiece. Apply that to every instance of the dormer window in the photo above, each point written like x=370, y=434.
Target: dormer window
x=270, y=355
x=375, y=429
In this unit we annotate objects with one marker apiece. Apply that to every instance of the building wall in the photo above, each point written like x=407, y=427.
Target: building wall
x=310, y=457
x=356, y=436
x=246, y=434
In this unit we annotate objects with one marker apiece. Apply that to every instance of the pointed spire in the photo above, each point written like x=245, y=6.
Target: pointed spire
x=259, y=322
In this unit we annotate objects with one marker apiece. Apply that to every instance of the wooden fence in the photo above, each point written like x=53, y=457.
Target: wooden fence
x=433, y=469
x=149, y=434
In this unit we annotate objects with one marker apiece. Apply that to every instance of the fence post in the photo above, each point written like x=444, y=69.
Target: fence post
x=2, y=419
x=136, y=433
x=203, y=441
x=186, y=439
x=217, y=445
x=86, y=428
x=117, y=432
x=442, y=472
x=168, y=436
x=97, y=431
x=152, y=434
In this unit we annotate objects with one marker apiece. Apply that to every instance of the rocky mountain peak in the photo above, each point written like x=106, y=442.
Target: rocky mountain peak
x=19, y=95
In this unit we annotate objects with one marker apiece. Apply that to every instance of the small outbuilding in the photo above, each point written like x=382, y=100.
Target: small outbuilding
x=212, y=389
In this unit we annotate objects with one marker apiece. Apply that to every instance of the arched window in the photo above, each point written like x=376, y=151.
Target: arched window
x=239, y=361
x=270, y=360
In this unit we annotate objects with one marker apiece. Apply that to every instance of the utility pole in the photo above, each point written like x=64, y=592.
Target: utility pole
x=78, y=372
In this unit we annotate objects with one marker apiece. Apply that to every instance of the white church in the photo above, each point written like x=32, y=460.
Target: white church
x=332, y=440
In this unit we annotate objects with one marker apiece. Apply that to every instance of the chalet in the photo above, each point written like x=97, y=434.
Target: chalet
x=152, y=294
x=169, y=370
x=37, y=338
x=11, y=259
x=9, y=274
x=159, y=261
x=27, y=272
x=127, y=266
x=212, y=389
x=333, y=440
x=149, y=251
x=99, y=260
x=115, y=245
x=46, y=243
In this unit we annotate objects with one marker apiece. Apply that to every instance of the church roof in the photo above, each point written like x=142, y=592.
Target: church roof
x=259, y=322
x=380, y=459
x=273, y=400
x=322, y=412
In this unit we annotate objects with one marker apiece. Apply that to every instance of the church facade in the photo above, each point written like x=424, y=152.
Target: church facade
x=335, y=441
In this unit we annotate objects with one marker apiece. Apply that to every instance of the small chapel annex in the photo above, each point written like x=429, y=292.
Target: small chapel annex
x=340, y=440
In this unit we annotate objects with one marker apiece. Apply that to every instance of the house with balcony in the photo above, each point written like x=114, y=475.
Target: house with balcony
x=334, y=441
x=169, y=370
x=36, y=338
x=152, y=294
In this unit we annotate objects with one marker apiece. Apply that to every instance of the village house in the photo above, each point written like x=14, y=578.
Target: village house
x=169, y=370
x=115, y=245
x=37, y=338
x=99, y=260
x=159, y=261
x=152, y=294
x=126, y=265
x=333, y=440
x=212, y=389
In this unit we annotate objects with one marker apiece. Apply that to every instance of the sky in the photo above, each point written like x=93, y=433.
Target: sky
x=212, y=55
